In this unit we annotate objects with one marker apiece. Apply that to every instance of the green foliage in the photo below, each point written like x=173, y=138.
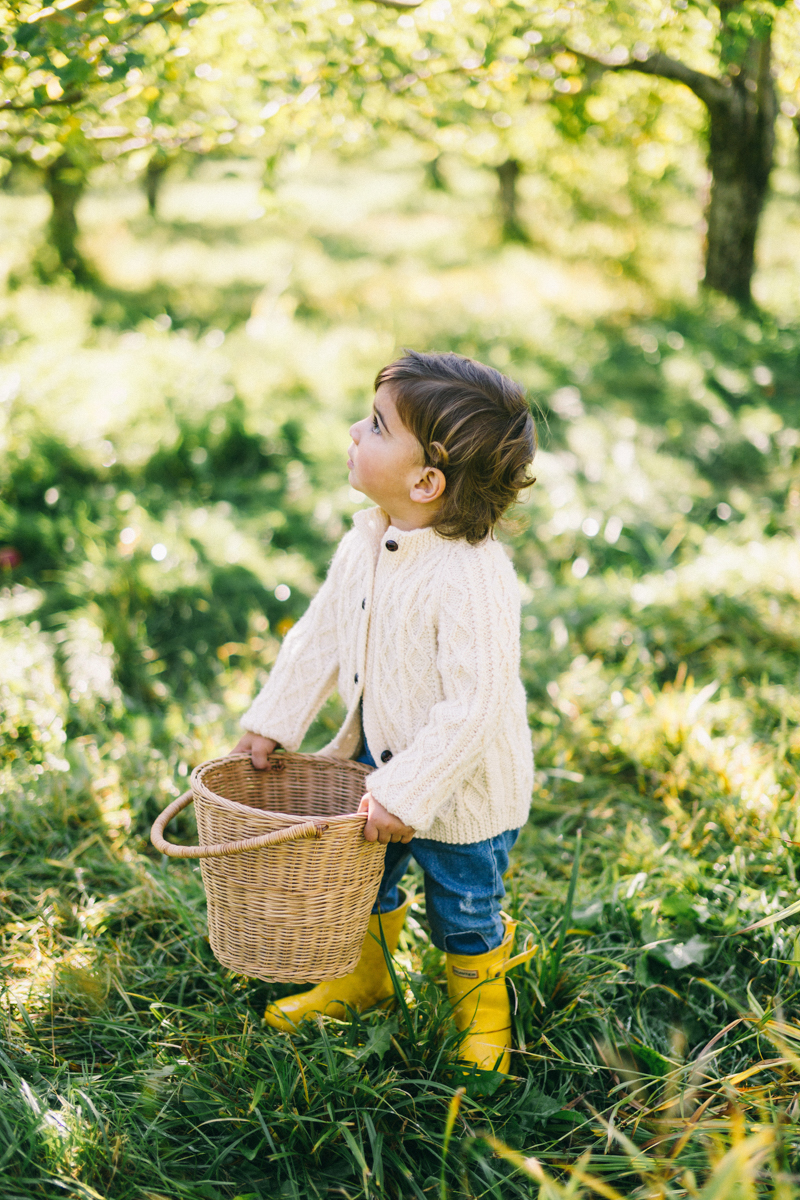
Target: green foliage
x=154, y=84
x=56, y=54
x=32, y=706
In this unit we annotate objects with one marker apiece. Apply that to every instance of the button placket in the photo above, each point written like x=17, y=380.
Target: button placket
x=364, y=626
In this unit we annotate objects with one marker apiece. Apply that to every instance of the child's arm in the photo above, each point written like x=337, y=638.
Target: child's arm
x=307, y=667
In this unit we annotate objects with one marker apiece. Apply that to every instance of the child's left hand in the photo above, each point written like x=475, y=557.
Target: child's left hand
x=381, y=825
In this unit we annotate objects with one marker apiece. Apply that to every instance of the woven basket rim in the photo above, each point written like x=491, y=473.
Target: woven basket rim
x=202, y=791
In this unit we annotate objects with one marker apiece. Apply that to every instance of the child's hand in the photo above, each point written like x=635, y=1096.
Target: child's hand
x=381, y=825
x=259, y=748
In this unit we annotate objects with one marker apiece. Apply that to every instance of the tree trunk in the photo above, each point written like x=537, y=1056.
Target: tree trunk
x=740, y=156
x=434, y=175
x=507, y=174
x=742, y=112
x=153, y=178
x=66, y=182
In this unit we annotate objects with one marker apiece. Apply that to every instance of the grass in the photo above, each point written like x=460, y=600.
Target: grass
x=658, y=1023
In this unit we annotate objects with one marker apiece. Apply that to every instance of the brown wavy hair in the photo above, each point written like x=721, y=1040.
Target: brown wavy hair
x=475, y=425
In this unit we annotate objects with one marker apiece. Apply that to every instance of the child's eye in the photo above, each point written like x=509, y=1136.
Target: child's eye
x=375, y=426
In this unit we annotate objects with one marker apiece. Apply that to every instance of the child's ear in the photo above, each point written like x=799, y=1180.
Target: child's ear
x=429, y=486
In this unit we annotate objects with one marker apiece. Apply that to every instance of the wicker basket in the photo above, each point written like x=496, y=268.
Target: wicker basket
x=289, y=879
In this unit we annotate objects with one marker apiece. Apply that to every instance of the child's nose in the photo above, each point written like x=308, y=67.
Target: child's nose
x=354, y=432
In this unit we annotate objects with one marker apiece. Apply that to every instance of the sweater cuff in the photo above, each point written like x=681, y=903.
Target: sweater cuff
x=265, y=725
x=420, y=817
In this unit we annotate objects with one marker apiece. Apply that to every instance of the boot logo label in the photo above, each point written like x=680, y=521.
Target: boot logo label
x=462, y=974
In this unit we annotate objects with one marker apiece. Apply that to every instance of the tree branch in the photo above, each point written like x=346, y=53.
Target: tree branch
x=708, y=89
x=69, y=98
x=400, y=3
x=705, y=87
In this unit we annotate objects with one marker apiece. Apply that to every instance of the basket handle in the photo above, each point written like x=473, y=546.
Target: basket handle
x=306, y=829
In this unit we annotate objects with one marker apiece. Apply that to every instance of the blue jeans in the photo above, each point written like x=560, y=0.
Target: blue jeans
x=463, y=886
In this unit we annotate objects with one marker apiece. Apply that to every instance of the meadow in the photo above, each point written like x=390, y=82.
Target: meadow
x=173, y=484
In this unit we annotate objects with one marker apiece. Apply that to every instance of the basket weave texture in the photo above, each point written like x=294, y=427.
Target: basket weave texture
x=296, y=911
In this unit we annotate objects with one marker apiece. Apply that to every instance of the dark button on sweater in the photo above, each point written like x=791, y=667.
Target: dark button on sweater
x=391, y=545
x=386, y=755
x=355, y=679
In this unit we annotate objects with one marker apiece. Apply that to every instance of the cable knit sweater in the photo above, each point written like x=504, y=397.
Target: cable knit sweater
x=425, y=632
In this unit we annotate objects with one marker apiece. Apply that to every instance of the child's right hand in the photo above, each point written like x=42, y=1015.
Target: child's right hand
x=259, y=748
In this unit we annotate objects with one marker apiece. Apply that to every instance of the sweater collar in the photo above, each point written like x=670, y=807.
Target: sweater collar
x=373, y=525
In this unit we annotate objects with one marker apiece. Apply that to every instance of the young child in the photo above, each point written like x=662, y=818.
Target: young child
x=417, y=626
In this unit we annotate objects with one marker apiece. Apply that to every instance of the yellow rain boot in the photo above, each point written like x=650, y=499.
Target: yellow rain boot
x=370, y=983
x=476, y=986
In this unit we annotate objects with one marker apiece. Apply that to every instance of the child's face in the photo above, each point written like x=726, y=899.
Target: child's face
x=386, y=461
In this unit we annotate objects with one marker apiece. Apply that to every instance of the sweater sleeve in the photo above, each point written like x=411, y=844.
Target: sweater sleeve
x=305, y=671
x=478, y=662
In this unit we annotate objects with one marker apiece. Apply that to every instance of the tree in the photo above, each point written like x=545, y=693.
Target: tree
x=506, y=58
x=507, y=173
x=86, y=81
x=742, y=106
x=61, y=64
x=154, y=173
x=65, y=181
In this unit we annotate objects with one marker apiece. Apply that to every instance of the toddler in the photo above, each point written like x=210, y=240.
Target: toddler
x=417, y=626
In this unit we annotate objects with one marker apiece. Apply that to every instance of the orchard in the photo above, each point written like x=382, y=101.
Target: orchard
x=219, y=221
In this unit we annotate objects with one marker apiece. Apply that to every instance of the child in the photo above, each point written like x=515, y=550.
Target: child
x=417, y=625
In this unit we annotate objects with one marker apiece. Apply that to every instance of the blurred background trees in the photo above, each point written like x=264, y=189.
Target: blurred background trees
x=742, y=105
x=89, y=83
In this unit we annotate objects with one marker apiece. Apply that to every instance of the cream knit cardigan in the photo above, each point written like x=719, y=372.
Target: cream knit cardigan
x=425, y=631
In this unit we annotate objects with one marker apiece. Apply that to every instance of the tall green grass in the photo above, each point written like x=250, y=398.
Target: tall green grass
x=658, y=1044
